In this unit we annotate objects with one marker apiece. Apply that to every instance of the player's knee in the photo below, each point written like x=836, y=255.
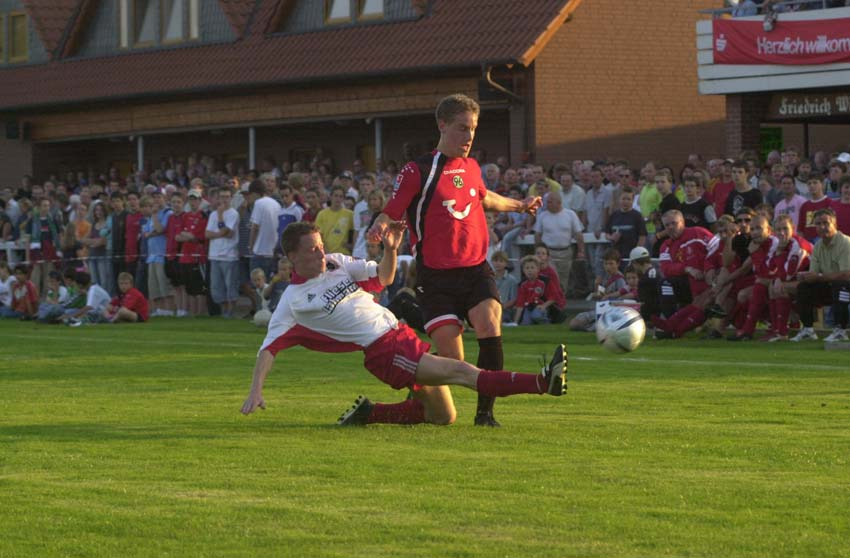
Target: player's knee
x=443, y=418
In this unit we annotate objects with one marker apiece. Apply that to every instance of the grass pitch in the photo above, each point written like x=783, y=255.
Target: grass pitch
x=127, y=441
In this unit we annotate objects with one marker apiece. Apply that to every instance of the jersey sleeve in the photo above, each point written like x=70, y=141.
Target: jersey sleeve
x=363, y=272
x=212, y=222
x=408, y=185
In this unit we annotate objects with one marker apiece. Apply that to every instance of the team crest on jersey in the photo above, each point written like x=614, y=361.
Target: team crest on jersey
x=397, y=183
x=457, y=181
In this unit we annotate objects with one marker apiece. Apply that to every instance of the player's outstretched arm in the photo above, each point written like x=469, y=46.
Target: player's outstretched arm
x=392, y=240
x=378, y=229
x=265, y=360
x=499, y=203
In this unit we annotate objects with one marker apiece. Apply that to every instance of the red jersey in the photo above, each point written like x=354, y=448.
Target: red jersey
x=549, y=275
x=689, y=250
x=534, y=292
x=133, y=300
x=784, y=263
x=441, y=198
x=842, y=216
x=806, y=220
x=21, y=294
x=132, y=232
x=760, y=257
x=714, y=254
x=719, y=194
x=193, y=251
x=174, y=226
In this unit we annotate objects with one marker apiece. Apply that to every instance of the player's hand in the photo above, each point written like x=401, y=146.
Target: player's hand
x=254, y=400
x=378, y=229
x=530, y=205
x=393, y=234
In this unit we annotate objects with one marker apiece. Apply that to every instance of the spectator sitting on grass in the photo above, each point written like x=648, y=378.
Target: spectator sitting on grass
x=278, y=283
x=55, y=297
x=130, y=305
x=262, y=315
x=96, y=301
x=549, y=275
x=535, y=296
x=6, y=282
x=610, y=286
x=24, y=297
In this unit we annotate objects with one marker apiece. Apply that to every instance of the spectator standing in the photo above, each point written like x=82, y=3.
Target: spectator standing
x=154, y=231
x=132, y=234
x=223, y=234
x=336, y=224
x=791, y=201
x=696, y=210
x=45, y=233
x=558, y=227
x=572, y=196
x=290, y=211
x=193, y=256
x=828, y=279
x=264, y=228
x=842, y=206
x=625, y=228
x=99, y=245
x=597, y=208
x=744, y=195
x=810, y=207
x=363, y=215
x=119, y=236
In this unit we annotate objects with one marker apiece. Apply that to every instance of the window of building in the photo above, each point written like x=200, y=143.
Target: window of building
x=371, y=8
x=337, y=11
x=150, y=22
x=19, y=44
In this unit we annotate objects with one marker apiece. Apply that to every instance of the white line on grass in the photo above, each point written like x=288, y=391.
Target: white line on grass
x=795, y=366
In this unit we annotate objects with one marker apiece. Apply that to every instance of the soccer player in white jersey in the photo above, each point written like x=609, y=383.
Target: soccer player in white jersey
x=327, y=308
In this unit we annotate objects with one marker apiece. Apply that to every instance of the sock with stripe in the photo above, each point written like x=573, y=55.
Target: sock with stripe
x=501, y=383
x=410, y=411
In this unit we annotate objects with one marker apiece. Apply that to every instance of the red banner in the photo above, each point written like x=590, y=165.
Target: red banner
x=822, y=41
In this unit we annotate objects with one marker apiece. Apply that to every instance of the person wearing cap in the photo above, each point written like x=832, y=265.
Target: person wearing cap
x=264, y=222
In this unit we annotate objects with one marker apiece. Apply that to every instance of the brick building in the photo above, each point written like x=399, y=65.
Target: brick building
x=94, y=83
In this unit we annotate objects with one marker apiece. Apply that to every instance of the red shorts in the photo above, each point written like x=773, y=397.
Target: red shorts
x=744, y=281
x=393, y=358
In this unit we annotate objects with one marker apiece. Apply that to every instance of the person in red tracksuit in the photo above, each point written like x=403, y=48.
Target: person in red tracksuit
x=790, y=256
x=443, y=197
x=762, y=245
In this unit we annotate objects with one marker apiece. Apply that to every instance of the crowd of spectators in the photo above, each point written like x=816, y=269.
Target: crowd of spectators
x=191, y=238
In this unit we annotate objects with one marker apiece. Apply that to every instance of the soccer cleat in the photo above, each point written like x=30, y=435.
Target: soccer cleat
x=358, y=414
x=715, y=311
x=838, y=334
x=807, y=333
x=555, y=373
x=73, y=322
x=486, y=419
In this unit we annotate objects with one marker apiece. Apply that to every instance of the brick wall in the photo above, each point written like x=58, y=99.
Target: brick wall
x=620, y=80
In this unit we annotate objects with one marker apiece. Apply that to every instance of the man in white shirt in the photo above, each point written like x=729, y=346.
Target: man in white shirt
x=326, y=308
x=97, y=299
x=264, y=224
x=557, y=227
x=362, y=216
x=791, y=201
x=223, y=233
x=572, y=196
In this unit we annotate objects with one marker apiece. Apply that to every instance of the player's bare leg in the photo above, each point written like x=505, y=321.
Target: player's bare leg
x=486, y=319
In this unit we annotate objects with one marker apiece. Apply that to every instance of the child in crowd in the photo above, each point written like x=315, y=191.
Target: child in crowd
x=263, y=314
x=130, y=305
x=6, y=282
x=494, y=243
x=841, y=206
x=632, y=280
x=608, y=287
x=55, y=297
x=24, y=297
x=278, y=284
x=535, y=296
x=97, y=300
x=695, y=209
x=549, y=275
x=506, y=283
x=159, y=289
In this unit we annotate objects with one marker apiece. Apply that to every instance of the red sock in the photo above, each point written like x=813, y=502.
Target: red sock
x=771, y=305
x=410, y=411
x=739, y=315
x=783, y=309
x=755, y=308
x=501, y=383
x=692, y=316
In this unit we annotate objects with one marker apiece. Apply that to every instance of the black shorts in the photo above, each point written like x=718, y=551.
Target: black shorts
x=172, y=271
x=192, y=277
x=447, y=295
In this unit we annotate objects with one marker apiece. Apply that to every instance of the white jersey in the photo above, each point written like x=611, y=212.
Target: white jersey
x=331, y=313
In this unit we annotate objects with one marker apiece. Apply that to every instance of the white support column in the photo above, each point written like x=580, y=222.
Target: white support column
x=252, y=148
x=379, y=139
x=140, y=152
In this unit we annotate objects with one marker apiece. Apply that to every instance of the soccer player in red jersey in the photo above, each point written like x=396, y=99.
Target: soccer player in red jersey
x=443, y=197
x=790, y=256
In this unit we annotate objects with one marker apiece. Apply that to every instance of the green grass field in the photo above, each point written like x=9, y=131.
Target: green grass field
x=127, y=441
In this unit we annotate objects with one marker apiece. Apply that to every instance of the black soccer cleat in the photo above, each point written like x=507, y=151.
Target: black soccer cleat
x=555, y=373
x=486, y=419
x=358, y=414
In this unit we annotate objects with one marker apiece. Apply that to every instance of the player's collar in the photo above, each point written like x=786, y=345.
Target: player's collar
x=296, y=279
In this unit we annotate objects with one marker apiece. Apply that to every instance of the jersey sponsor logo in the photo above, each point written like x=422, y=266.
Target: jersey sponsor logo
x=454, y=171
x=459, y=215
x=310, y=297
x=457, y=181
x=333, y=296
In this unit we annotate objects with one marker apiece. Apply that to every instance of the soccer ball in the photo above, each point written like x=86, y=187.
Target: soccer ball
x=620, y=329
x=262, y=317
